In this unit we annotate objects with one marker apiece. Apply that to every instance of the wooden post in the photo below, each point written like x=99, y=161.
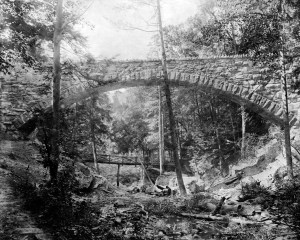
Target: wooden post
x=243, y=147
x=118, y=174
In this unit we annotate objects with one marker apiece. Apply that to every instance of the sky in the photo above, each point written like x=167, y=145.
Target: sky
x=113, y=36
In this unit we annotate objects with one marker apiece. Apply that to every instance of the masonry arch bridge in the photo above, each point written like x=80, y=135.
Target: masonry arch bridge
x=234, y=77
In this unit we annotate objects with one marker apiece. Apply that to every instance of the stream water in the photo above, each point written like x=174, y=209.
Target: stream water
x=201, y=228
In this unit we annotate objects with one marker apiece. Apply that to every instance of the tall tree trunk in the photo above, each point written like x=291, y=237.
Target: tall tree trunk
x=54, y=161
x=223, y=166
x=285, y=106
x=93, y=138
x=233, y=129
x=161, y=134
x=172, y=123
x=243, y=147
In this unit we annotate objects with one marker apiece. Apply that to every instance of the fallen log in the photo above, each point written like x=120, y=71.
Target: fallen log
x=207, y=217
x=231, y=180
x=204, y=216
x=232, y=208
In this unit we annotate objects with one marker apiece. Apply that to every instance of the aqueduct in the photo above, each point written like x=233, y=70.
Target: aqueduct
x=234, y=77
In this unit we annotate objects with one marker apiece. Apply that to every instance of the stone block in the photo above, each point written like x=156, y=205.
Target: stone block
x=185, y=77
x=236, y=90
x=244, y=92
x=272, y=107
x=225, y=86
x=230, y=87
x=279, y=113
x=172, y=75
x=219, y=84
x=194, y=78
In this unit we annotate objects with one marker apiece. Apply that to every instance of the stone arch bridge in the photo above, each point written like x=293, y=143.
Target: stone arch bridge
x=234, y=77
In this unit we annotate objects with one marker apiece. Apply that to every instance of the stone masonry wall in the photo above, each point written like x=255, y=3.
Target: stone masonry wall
x=20, y=93
x=236, y=77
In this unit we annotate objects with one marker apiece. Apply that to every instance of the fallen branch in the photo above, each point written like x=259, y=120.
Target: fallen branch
x=204, y=216
x=215, y=218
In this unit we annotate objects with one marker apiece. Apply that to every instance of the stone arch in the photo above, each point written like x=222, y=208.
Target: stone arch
x=268, y=109
x=233, y=77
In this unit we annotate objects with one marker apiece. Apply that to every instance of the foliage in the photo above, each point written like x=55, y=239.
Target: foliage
x=27, y=31
x=161, y=208
x=196, y=202
x=121, y=226
x=253, y=142
x=128, y=177
x=255, y=189
x=245, y=232
x=136, y=125
x=55, y=206
x=75, y=129
x=286, y=208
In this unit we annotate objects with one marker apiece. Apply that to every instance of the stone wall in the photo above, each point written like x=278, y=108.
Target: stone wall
x=233, y=77
x=20, y=94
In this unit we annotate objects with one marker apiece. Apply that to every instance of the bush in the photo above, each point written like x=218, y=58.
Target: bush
x=161, y=208
x=196, y=202
x=286, y=206
x=54, y=204
x=255, y=190
x=283, y=203
x=254, y=142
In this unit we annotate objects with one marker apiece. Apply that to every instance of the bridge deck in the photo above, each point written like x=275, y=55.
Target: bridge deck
x=124, y=160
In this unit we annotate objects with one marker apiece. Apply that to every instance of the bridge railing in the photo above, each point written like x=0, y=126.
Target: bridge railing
x=126, y=160
x=118, y=159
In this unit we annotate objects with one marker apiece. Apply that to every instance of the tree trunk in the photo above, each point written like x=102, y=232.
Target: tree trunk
x=243, y=147
x=286, y=126
x=161, y=134
x=233, y=129
x=93, y=138
x=285, y=106
x=54, y=161
x=223, y=167
x=169, y=106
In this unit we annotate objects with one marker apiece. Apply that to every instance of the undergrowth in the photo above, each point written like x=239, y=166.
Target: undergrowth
x=53, y=203
x=57, y=211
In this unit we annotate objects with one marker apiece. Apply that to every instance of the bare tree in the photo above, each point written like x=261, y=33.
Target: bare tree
x=56, y=90
x=161, y=133
x=167, y=91
x=284, y=91
x=93, y=137
x=243, y=146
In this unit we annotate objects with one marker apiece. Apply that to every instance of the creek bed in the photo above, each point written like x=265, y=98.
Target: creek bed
x=177, y=225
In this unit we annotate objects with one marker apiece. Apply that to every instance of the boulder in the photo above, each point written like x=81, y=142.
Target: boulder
x=194, y=188
x=192, y=184
x=88, y=178
x=164, y=179
x=150, y=190
x=247, y=180
x=280, y=174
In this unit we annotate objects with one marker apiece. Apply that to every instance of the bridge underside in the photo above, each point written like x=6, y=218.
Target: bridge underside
x=268, y=109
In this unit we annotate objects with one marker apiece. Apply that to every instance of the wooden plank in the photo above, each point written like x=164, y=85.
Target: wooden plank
x=113, y=162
